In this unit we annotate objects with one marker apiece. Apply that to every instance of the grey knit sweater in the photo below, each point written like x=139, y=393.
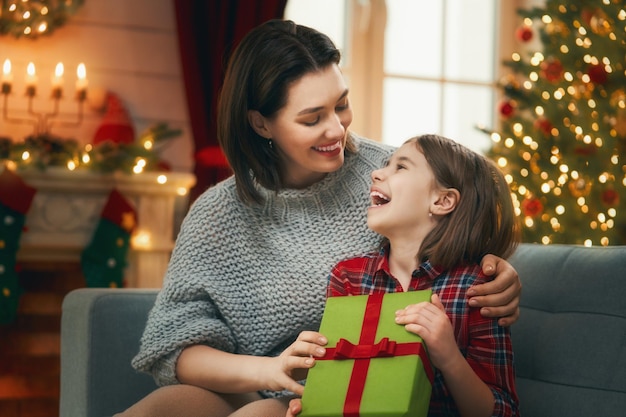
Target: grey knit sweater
x=249, y=279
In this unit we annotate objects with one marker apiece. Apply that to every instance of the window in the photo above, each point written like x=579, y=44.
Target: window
x=416, y=66
x=327, y=16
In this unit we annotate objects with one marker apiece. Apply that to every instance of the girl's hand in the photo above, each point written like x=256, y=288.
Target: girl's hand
x=295, y=407
x=429, y=321
x=293, y=364
x=500, y=297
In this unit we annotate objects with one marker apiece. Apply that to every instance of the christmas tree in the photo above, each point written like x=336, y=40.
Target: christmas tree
x=562, y=136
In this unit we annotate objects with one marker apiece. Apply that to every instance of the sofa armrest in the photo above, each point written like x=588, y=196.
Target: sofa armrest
x=100, y=333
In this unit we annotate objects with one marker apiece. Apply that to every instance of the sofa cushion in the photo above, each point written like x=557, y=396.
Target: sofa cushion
x=570, y=340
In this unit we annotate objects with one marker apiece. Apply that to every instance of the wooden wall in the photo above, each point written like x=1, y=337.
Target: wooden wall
x=129, y=48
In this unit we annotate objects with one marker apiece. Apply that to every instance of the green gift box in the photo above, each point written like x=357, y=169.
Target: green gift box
x=373, y=366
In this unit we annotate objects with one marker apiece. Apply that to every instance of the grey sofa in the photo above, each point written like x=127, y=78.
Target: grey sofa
x=569, y=343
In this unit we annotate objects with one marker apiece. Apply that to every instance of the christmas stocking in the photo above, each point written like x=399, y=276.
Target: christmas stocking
x=104, y=259
x=15, y=200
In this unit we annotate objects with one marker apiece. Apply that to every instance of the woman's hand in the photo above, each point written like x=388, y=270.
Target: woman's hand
x=293, y=364
x=430, y=322
x=500, y=297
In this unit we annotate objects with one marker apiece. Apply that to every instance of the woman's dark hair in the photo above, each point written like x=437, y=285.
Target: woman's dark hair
x=483, y=221
x=262, y=67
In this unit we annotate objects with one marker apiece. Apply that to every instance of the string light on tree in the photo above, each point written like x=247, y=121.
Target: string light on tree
x=562, y=134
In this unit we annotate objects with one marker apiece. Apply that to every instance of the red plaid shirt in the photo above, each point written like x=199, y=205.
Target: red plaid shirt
x=485, y=345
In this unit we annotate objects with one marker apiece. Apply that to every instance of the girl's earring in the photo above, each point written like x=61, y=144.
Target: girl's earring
x=430, y=214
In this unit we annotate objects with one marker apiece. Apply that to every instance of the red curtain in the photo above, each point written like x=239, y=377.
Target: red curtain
x=207, y=32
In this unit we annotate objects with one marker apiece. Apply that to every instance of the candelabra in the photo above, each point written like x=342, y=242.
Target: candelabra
x=43, y=121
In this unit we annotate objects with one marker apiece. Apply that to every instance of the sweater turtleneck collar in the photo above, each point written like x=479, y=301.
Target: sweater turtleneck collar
x=316, y=190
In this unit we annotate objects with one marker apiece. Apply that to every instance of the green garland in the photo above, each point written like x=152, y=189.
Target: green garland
x=33, y=18
x=49, y=151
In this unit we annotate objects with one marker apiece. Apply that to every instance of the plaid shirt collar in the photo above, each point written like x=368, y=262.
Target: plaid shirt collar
x=424, y=272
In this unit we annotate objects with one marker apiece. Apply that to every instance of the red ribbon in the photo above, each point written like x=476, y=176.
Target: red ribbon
x=366, y=349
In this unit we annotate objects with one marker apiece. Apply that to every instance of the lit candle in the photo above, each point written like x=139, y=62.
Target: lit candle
x=31, y=80
x=57, y=81
x=81, y=83
x=7, y=77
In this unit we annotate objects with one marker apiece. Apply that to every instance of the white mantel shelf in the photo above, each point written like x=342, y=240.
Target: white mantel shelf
x=67, y=206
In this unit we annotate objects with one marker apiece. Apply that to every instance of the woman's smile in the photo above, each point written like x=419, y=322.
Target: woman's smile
x=332, y=149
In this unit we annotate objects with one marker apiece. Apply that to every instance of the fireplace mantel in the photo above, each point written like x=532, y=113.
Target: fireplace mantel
x=67, y=207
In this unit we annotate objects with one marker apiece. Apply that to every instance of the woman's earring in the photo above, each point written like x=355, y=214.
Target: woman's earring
x=270, y=143
x=430, y=214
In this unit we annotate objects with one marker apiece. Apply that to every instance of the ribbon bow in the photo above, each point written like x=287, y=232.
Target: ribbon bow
x=347, y=350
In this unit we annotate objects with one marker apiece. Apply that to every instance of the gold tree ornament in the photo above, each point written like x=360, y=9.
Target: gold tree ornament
x=581, y=90
x=620, y=123
x=618, y=101
x=510, y=82
x=580, y=187
x=557, y=28
x=600, y=23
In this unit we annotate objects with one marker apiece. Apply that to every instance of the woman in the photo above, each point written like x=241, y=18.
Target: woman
x=248, y=271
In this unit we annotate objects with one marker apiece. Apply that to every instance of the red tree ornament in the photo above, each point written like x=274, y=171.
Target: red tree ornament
x=524, y=34
x=532, y=207
x=587, y=14
x=585, y=149
x=552, y=70
x=544, y=126
x=506, y=109
x=597, y=74
x=610, y=197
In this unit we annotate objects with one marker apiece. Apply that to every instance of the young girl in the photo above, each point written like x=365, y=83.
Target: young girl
x=441, y=207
